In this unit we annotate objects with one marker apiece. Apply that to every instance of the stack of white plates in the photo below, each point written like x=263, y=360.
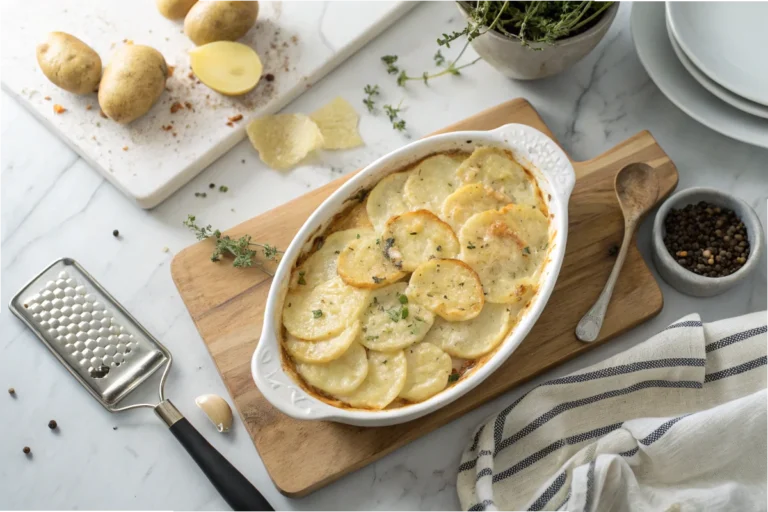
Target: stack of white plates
x=711, y=60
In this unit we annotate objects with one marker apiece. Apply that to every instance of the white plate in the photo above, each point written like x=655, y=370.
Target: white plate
x=728, y=41
x=721, y=92
x=655, y=52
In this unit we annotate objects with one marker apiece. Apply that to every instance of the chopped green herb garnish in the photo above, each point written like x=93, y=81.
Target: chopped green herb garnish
x=404, y=312
x=301, y=278
x=402, y=298
x=470, y=245
x=223, y=188
x=317, y=313
x=526, y=250
x=376, y=279
x=394, y=314
x=453, y=377
x=358, y=236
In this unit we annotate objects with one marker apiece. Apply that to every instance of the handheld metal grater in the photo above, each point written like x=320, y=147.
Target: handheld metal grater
x=111, y=354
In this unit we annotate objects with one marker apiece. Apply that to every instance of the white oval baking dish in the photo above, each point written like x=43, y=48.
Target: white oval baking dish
x=556, y=178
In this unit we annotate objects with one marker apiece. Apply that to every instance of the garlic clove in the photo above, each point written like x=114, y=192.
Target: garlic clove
x=217, y=409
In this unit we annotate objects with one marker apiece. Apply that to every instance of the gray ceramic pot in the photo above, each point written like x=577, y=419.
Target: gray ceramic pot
x=686, y=281
x=514, y=60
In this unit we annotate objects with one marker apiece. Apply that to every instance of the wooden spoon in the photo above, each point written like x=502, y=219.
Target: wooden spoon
x=637, y=188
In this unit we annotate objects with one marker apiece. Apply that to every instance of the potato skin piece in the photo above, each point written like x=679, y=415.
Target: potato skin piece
x=174, y=9
x=208, y=22
x=132, y=82
x=69, y=63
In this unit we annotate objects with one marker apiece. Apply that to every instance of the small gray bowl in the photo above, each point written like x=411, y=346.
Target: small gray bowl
x=686, y=281
x=539, y=60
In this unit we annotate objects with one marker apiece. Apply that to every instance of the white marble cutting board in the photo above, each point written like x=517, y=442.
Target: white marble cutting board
x=298, y=42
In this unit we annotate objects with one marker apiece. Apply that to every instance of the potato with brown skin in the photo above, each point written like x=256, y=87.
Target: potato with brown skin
x=174, y=9
x=69, y=63
x=208, y=22
x=133, y=81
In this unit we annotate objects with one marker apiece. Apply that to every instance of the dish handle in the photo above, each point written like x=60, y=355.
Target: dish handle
x=541, y=151
x=278, y=387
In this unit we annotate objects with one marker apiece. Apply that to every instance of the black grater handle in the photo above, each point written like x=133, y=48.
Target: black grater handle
x=231, y=484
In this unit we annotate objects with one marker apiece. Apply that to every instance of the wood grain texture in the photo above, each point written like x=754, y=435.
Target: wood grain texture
x=227, y=307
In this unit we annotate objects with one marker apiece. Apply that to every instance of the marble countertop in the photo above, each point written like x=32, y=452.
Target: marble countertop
x=54, y=205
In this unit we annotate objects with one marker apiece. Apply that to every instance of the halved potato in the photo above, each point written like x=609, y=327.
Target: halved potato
x=506, y=248
x=340, y=376
x=415, y=237
x=385, y=379
x=476, y=337
x=428, y=371
x=323, y=311
x=497, y=169
x=362, y=263
x=469, y=200
x=320, y=266
x=226, y=67
x=449, y=288
x=386, y=200
x=431, y=181
x=391, y=322
x=322, y=351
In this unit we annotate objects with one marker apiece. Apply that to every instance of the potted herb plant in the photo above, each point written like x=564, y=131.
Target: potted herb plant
x=529, y=40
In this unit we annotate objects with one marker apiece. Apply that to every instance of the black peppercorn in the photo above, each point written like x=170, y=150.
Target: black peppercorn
x=52, y=425
x=11, y=391
x=27, y=450
x=706, y=239
x=115, y=233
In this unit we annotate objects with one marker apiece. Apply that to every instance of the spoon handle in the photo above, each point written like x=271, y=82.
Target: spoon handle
x=589, y=326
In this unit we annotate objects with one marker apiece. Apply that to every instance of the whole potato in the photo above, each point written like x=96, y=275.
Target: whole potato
x=133, y=81
x=174, y=9
x=208, y=22
x=69, y=63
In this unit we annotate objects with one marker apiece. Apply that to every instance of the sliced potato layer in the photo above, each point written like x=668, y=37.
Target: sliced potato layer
x=506, y=248
x=476, y=337
x=496, y=168
x=385, y=379
x=284, y=140
x=340, y=376
x=428, y=371
x=386, y=200
x=431, y=181
x=415, y=237
x=469, y=200
x=322, y=351
x=390, y=322
x=320, y=266
x=338, y=123
x=449, y=288
x=324, y=311
x=362, y=263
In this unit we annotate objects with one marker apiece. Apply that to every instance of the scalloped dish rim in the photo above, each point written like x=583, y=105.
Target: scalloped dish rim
x=555, y=178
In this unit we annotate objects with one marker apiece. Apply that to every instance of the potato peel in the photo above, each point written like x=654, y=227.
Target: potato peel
x=338, y=123
x=284, y=140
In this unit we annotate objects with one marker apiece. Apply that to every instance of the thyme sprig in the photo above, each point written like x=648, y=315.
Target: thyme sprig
x=370, y=91
x=393, y=113
x=240, y=249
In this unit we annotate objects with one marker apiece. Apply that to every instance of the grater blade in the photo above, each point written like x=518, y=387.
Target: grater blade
x=89, y=332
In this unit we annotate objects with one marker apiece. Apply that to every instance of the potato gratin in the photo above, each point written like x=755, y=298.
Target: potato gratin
x=409, y=290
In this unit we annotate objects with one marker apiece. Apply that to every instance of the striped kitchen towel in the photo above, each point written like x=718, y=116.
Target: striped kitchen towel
x=677, y=423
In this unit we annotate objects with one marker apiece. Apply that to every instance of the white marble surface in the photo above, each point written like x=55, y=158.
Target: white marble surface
x=53, y=204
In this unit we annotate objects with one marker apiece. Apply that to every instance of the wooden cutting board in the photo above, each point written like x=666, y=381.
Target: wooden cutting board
x=227, y=306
